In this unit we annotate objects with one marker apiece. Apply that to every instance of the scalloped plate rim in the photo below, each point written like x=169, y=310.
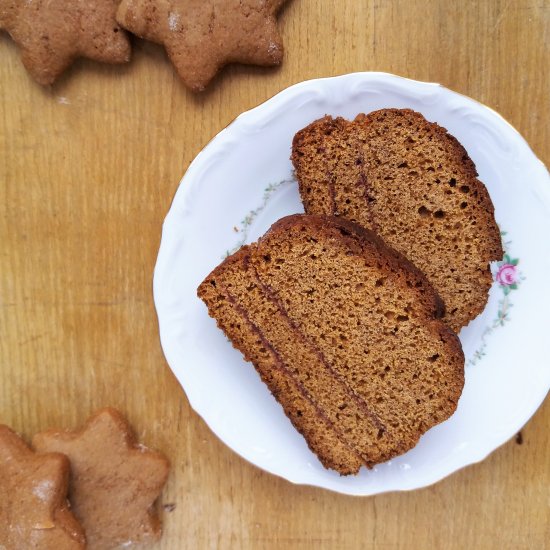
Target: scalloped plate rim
x=181, y=197
x=282, y=94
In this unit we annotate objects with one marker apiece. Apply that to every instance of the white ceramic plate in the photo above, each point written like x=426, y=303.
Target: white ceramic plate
x=241, y=183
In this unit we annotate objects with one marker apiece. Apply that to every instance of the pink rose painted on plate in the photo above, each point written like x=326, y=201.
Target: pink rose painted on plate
x=507, y=274
x=509, y=278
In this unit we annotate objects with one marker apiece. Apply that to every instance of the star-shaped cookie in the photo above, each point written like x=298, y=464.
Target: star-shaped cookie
x=34, y=512
x=201, y=36
x=53, y=33
x=115, y=481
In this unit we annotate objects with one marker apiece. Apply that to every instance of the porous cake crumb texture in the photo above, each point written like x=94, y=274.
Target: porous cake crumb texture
x=412, y=183
x=344, y=331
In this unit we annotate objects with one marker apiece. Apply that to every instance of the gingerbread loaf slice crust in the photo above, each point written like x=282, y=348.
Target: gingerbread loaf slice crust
x=411, y=182
x=344, y=332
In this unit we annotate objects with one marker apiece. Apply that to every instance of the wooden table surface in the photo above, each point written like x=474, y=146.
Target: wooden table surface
x=88, y=170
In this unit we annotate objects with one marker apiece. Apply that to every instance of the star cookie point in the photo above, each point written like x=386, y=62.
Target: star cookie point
x=115, y=480
x=51, y=34
x=34, y=509
x=202, y=36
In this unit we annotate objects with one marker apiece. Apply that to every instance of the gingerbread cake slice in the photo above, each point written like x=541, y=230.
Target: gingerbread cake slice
x=344, y=332
x=412, y=183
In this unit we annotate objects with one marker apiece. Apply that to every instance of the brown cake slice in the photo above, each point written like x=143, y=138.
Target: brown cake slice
x=344, y=332
x=411, y=182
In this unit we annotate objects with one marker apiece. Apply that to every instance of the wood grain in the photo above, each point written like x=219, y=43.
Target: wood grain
x=87, y=172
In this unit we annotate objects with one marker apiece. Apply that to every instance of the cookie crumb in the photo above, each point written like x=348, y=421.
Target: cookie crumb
x=173, y=20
